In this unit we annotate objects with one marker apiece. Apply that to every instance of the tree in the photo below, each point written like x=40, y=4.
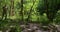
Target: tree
x=31, y=9
x=49, y=7
x=4, y=14
x=12, y=8
x=22, y=12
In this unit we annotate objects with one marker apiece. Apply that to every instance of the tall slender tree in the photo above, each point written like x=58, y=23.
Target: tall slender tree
x=22, y=11
x=31, y=9
x=12, y=8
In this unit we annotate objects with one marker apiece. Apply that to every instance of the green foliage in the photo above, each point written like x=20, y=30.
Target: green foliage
x=57, y=19
x=40, y=13
x=50, y=8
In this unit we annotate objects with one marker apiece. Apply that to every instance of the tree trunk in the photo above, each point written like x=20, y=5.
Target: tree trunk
x=28, y=19
x=12, y=8
x=22, y=12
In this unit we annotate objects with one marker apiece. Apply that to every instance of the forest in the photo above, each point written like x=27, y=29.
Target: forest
x=29, y=15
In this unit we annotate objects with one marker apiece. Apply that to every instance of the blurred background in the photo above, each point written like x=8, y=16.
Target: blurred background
x=15, y=14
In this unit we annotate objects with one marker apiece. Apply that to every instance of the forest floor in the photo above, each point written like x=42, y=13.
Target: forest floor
x=29, y=27
x=35, y=27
